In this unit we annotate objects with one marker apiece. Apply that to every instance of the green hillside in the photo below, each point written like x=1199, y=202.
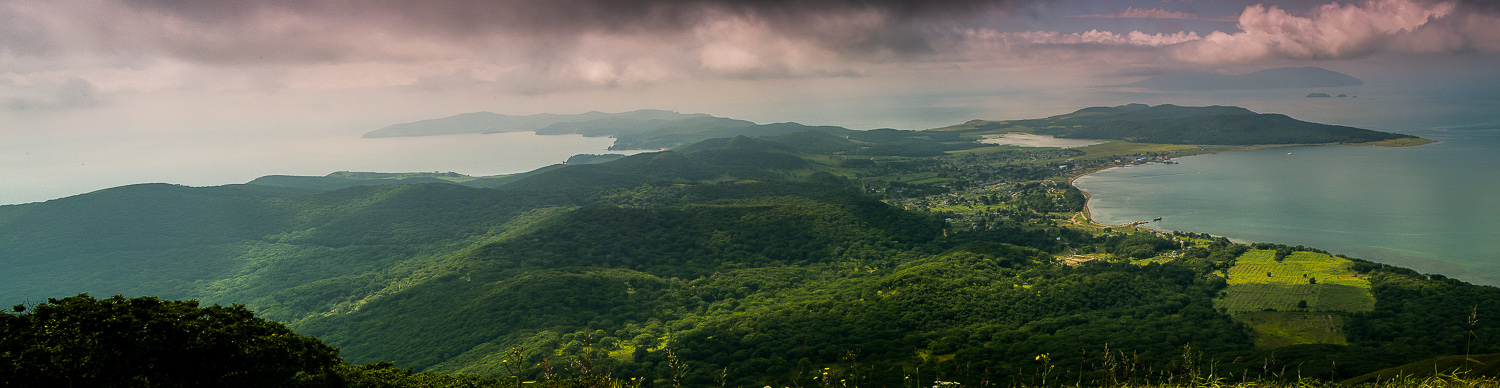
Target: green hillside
x=876, y=257
x=1470, y=366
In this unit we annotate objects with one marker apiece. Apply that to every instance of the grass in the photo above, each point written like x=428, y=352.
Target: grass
x=1158, y=259
x=1438, y=381
x=975, y=126
x=1452, y=367
x=1258, y=282
x=1479, y=371
x=1319, y=297
x=1114, y=148
x=987, y=149
x=1275, y=329
x=1402, y=142
x=1296, y=269
x=1427, y=382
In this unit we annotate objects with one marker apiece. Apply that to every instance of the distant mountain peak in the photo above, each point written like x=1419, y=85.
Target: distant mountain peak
x=1278, y=78
x=1165, y=110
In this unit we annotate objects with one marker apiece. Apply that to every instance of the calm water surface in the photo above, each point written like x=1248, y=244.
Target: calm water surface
x=44, y=171
x=1432, y=208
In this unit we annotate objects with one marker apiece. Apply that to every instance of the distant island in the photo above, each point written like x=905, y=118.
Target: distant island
x=1318, y=95
x=1279, y=78
x=1172, y=124
x=1166, y=124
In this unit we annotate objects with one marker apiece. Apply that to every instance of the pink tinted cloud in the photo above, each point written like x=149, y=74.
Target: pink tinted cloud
x=1133, y=38
x=1349, y=30
x=537, y=46
x=1150, y=13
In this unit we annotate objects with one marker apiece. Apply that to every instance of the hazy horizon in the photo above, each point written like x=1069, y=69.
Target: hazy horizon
x=100, y=93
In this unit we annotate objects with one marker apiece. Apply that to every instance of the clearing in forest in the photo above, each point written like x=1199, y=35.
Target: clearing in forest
x=1258, y=282
x=1295, y=300
x=1275, y=329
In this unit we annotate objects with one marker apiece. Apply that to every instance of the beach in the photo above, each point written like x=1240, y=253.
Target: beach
x=1424, y=208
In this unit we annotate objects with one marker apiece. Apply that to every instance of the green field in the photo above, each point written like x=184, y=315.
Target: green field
x=1258, y=282
x=1275, y=329
x=1401, y=142
x=1117, y=148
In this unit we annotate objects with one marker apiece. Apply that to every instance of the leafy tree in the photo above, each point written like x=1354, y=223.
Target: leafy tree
x=119, y=342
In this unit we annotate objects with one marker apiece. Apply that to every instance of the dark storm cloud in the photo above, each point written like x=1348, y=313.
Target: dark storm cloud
x=468, y=16
x=1489, y=6
x=538, y=46
x=547, y=24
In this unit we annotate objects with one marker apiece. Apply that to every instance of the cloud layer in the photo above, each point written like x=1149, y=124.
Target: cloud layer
x=1149, y=13
x=1341, y=31
x=51, y=95
x=522, y=43
x=539, y=46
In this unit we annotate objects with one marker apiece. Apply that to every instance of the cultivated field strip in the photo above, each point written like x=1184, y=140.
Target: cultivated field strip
x=1258, y=282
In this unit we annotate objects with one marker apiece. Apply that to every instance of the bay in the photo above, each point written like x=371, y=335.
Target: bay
x=1432, y=208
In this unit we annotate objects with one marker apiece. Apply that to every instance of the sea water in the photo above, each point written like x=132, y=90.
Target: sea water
x=40, y=172
x=1433, y=208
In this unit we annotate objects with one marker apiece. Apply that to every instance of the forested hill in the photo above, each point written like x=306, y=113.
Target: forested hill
x=1172, y=124
x=876, y=256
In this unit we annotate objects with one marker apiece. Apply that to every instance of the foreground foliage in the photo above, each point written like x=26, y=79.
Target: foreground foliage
x=81, y=341
x=118, y=342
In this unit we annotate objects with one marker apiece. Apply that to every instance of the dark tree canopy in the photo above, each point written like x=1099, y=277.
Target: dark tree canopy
x=81, y=341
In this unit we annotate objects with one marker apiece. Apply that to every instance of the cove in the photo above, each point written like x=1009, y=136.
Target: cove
x=1433, y=208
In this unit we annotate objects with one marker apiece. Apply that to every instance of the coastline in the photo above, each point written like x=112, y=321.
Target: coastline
x=1088, y=216
x=1420, y=235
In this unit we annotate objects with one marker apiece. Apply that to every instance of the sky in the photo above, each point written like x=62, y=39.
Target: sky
x=96, y=93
